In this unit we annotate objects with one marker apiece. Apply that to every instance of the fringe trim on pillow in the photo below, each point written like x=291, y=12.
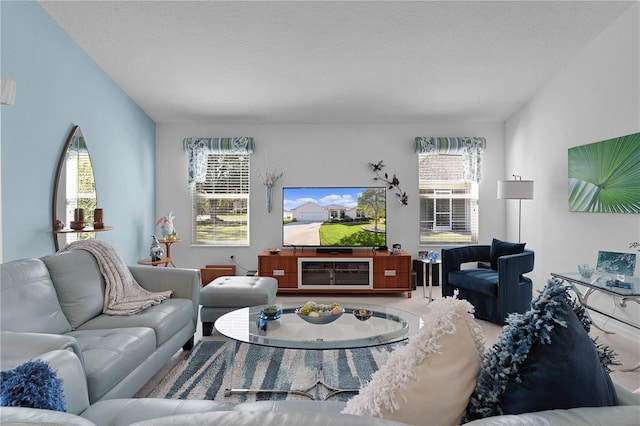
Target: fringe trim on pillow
x=502, y=362
x=401, y=365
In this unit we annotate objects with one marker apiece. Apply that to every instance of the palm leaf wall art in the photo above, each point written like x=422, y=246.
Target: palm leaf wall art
x=604, y=177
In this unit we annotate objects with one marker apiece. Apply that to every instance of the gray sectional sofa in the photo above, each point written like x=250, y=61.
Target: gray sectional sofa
x=56, y=302
x=151, y=411
x=51, y=310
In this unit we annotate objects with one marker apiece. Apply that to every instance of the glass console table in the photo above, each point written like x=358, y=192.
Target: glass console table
x=621, y=290
x=627, y=290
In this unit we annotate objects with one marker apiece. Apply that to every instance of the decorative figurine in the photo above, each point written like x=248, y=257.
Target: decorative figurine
x=156, y=250
x=433, y=256
x=166, y=227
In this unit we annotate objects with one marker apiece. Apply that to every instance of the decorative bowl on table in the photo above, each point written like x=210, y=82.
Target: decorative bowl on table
x=586, y=271
x=274, y=250
x=362, y=314
x=271, y=312
x=317, y=313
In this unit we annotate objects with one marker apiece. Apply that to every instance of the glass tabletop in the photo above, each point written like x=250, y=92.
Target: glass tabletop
x=626, y=287
x=386, y=325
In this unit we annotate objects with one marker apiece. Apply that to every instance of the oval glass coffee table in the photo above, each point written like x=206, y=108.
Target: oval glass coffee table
x=386, y=325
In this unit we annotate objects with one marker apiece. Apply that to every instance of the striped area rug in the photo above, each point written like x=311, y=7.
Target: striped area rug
x=205, y=373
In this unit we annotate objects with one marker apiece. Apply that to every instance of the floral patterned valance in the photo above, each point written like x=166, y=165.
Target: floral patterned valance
x=197, y=150
x=471, y=149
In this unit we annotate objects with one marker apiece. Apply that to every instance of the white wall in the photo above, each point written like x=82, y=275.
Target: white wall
x=320, y=155
x=596, y=97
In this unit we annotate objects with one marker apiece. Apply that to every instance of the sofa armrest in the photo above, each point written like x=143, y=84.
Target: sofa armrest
x=34, y=416
x=626, y=397
x=454, y=257
x=67, y=367
x=18, y=347
x=512, y=266
x=185, y=283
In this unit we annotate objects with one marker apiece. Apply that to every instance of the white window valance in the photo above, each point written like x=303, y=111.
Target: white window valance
x=198, y=149
x=470, y=148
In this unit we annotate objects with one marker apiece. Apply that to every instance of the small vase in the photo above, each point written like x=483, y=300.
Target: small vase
x=269, y=198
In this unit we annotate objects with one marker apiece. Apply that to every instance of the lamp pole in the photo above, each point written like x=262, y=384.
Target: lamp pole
x=517, y=178
x=516, y=189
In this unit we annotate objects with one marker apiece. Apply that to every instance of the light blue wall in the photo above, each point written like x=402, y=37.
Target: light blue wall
x=58, y=86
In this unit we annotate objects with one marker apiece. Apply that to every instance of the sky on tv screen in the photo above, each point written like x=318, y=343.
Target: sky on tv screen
x=343, y=196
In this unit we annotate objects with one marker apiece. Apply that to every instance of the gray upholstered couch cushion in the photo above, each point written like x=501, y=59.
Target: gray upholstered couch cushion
x=165, y=319
x=269, y=418
x=28, y=300
x=81, y=288
x=111, y=355
x=127, y=411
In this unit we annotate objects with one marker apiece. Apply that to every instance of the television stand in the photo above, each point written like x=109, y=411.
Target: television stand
x=334, y=250
x=359, y=271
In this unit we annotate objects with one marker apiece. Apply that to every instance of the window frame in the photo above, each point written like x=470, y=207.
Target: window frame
x=236, y=196
x=463, y=205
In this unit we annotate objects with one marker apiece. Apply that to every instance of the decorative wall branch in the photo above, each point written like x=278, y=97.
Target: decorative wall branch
x=393, y=183
x=269, y=178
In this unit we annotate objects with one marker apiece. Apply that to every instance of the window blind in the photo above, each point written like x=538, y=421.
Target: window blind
x=221, y=202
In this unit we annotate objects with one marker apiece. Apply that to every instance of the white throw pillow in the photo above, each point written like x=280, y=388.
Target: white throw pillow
x=430, y=379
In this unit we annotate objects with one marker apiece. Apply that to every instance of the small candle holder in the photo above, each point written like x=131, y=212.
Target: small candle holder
x=98, y=219
x=78, y=220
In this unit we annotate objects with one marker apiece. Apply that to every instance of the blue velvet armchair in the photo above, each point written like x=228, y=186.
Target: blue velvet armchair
x=494, y=293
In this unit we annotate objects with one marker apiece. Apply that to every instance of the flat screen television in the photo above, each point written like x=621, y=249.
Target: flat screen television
x=348, y=217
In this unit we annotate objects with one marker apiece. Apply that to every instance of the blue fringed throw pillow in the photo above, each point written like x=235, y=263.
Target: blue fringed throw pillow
x=544, y=360
x=32, y=384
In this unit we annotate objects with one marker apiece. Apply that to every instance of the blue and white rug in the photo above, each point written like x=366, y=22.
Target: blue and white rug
x=204, y=373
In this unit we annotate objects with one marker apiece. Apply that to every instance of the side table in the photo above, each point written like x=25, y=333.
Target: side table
x=164, y=261
x=433, y=267
x=167, y=244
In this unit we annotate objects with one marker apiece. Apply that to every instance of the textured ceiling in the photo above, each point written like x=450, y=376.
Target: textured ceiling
x=320, y=61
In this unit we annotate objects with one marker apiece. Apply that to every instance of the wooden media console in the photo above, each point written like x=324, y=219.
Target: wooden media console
x=362, y=271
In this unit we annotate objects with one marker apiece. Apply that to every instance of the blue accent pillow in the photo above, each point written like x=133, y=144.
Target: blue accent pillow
x=544, y=360
x=503, y=248
x=32, y=384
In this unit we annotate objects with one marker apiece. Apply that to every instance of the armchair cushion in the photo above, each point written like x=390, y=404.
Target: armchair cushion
x=503, y=248
x=479, y=280
x=32, y=384
x=544, y=360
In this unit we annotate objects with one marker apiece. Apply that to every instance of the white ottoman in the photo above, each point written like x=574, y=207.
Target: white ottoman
x=226, y=294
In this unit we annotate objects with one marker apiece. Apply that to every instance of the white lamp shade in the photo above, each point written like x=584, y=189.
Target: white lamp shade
x=515, y=189
x=7, y=91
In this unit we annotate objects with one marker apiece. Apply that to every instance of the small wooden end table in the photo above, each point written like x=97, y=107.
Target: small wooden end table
x=167, y=244
x=164, y=261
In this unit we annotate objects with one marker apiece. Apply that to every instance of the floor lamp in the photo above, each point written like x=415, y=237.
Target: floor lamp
x=516, y=189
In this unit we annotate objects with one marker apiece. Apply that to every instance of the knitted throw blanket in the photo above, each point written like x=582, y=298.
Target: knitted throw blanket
x=123, y=295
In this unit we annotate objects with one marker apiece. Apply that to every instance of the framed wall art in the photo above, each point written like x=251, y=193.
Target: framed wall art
x=604, y=177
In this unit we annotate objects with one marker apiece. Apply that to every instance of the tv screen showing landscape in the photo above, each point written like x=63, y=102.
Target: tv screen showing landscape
x=334, y=217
